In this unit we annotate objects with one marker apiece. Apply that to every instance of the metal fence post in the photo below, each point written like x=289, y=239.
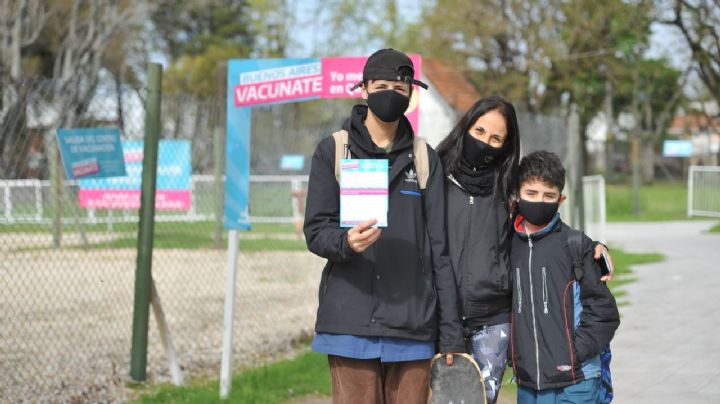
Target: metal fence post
x=690, y=191
x=218, y=208
x=56, y=187
x=8, y=204
x=219, y=151
x=574, y=168
x=143, y=274
x=38, y=201
x=636, y=180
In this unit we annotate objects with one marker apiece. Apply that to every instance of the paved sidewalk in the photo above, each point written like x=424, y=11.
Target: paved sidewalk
x=667, y=349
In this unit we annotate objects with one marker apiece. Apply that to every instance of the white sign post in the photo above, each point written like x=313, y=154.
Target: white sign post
x=226, y=366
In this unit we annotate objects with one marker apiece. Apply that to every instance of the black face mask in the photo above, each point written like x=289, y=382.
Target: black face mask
x=538, y=213
x=478, y=153
x=388, y=105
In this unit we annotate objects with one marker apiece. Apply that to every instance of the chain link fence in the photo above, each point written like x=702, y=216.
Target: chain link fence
x=67, y=271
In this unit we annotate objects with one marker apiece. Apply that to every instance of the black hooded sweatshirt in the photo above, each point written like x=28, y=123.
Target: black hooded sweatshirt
x=402, y=285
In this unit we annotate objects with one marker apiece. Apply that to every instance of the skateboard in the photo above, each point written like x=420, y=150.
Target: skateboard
x=461, y=383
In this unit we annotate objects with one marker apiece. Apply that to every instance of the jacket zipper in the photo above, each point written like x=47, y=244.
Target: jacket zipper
x=462, y=272
x=545, y=292
x=519, y=290
x=532, y=309
x=472, y=200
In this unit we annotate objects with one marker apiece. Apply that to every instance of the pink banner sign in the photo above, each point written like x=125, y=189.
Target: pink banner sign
x=331, y=77
x=130, y=199
x=340, y=74
x=364, y=191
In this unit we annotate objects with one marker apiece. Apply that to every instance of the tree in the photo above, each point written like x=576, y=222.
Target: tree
x=64, y=41
x=535, y=53
x=505, y=45
x=21, y=23
x=542, y=55
x=651, y=90
x=197, y=35
x=271, y=23
x=190, y=27
x=699, y=23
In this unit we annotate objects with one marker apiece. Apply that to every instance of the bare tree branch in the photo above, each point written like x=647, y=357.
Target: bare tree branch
x=699, y=23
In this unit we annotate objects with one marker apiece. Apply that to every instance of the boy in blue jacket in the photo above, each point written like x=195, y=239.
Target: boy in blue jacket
x=560, y=322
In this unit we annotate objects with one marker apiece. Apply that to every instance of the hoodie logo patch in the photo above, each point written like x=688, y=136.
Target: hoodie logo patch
x=410, y=176
x=564, y=368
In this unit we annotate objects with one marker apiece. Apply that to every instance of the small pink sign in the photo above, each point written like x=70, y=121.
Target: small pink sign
x=364, y=191
x=352, y=164
x=130, y=199
x=85, y=167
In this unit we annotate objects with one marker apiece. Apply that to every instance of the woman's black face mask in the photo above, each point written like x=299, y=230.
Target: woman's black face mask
x=478, y=153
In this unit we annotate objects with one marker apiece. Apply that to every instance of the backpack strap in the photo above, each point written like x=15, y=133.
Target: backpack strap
x=574, y=241
x=422, y=162
x=420, y=153
x=341, y=141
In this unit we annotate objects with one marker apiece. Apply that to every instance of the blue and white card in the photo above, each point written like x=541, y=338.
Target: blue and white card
x=363, y=191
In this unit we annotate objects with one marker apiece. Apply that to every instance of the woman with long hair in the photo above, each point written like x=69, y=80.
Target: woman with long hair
x=481, y=158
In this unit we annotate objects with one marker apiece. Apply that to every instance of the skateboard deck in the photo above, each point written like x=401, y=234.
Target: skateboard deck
x=461, y=383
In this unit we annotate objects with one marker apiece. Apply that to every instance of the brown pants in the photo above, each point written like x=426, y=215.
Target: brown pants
x=369, y=381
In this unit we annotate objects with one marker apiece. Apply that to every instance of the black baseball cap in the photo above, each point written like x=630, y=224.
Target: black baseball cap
x=389, y=64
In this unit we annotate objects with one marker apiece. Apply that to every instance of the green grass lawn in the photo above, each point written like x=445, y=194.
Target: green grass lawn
x=622, y=261
x=193, y=241
x=666, y=201
x=715, y=229
x=200, y=235
x=307, y=374
x=193, y=235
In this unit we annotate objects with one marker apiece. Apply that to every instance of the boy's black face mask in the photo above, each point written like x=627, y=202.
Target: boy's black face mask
x=388, y=105
x=538, y=213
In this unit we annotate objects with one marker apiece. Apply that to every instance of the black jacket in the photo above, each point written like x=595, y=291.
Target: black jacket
x=402, y=285
x=478, y=239
x=547, y=350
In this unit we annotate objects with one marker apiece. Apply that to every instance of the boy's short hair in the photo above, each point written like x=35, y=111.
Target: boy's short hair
x=542, y=166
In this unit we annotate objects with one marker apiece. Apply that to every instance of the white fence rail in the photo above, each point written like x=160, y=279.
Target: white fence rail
x=593, y=207
x=704, y=191
x=273, y=199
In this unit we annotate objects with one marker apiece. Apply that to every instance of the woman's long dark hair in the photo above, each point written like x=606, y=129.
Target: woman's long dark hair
x=450, y=149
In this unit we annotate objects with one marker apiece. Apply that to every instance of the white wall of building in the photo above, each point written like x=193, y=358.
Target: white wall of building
x=437, y=118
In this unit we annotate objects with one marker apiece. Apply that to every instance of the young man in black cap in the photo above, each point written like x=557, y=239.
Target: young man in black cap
x=384, y=292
